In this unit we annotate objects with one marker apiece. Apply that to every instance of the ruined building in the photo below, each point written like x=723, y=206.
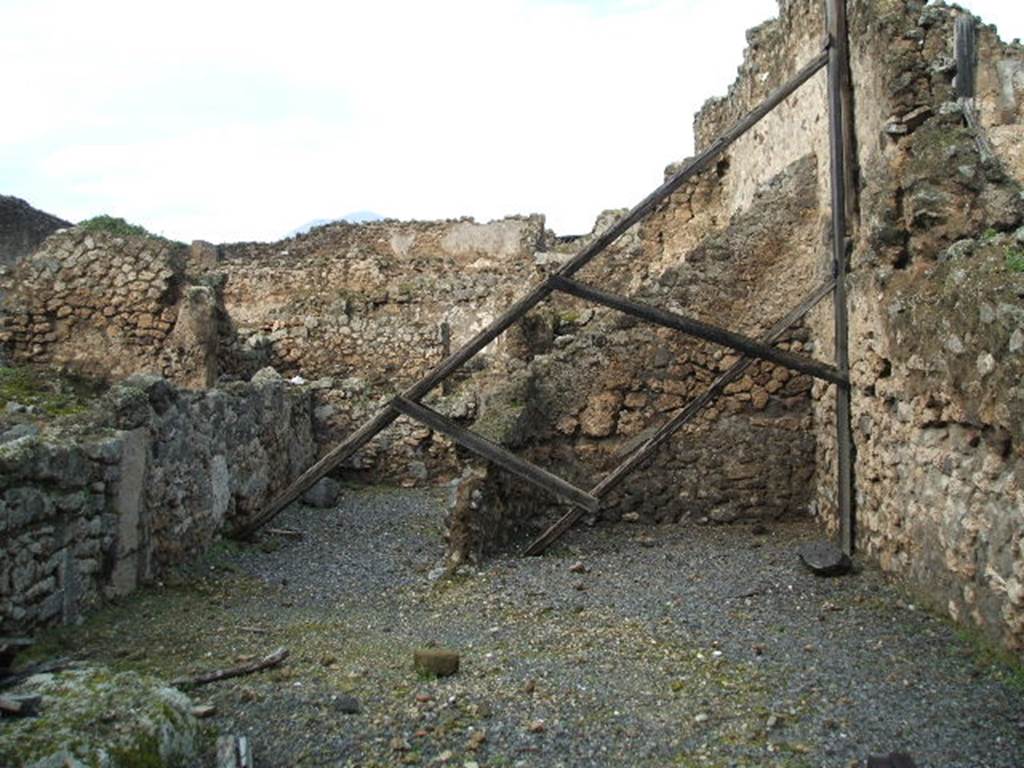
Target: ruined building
x=196, y=432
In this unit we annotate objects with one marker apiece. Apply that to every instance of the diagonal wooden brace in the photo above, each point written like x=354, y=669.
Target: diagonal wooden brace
x=495, y=453
x=384, y=417
x=647, y=449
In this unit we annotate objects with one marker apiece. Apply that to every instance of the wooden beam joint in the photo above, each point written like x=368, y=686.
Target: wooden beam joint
x=497, y=454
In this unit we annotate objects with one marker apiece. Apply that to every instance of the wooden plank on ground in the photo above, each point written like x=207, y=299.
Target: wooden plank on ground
x=267, y=662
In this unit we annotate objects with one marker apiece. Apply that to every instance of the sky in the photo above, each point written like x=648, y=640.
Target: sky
x=223, y=120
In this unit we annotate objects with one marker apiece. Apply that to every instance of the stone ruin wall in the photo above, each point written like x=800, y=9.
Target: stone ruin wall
x=363, y=311
x=597, y=383
x=936, y=313
x=937, y=415
x=108, y=306
x=147, y=479
x=357, y=311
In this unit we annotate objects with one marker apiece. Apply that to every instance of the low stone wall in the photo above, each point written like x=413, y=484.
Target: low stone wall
x=146, y=480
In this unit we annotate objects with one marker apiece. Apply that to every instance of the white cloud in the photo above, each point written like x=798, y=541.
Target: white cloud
x=228, y=120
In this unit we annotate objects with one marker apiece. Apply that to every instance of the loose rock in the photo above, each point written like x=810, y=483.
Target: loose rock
x=437, y=662
x=824, y=559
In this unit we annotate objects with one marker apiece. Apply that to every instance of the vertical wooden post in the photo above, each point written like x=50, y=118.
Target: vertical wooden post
x=966, y=55
x=838, y=67
x=446, y=351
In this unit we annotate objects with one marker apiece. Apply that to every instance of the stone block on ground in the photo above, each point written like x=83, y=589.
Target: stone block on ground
x=324, y=494
x=437, y=662
x=824, y=559
x=347, y=705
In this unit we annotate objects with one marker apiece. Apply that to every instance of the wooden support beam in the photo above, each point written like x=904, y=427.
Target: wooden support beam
x=648, y=447
x=308, y=479
x=697, y=164
x=689, y=169
x=383, y=419
x=965, y=47
x=838, y=63
x=495, y=453
x=706, y=331
x=965, y=50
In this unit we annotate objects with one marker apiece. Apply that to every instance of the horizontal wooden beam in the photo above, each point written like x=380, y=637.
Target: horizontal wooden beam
x=649, y=446
x=495, y=453
x=702, y=330
x=698, y=164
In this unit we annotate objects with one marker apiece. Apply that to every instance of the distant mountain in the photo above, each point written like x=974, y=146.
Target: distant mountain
x=23, y=228
x=356, y=217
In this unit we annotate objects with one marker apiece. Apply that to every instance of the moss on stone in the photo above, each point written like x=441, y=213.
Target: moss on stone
x=118, y=227
x=1015, y=258
x=503, y=411
x=53, y=393
x=122, y=720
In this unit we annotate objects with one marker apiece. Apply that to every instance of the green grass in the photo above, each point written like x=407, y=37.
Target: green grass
x=1015, y=258
x=987, y=655
x=113, y=225
x=53, y=393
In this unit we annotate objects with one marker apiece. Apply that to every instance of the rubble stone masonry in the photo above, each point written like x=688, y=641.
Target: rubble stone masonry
x=359, y=312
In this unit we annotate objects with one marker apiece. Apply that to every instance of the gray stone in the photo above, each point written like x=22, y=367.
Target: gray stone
x=324, y=494
x=961, y=249
x=824, y=559
x=94, y=717
x=348, y=705
x=265, y=376
x=128, y=504
x=18, y=431
x=105, y=451
x=323, y=413
x=220, y=488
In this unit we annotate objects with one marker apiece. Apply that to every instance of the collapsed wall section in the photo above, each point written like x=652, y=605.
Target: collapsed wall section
x=597, y=383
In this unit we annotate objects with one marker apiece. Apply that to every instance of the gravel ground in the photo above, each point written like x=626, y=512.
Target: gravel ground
x=676, y=646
